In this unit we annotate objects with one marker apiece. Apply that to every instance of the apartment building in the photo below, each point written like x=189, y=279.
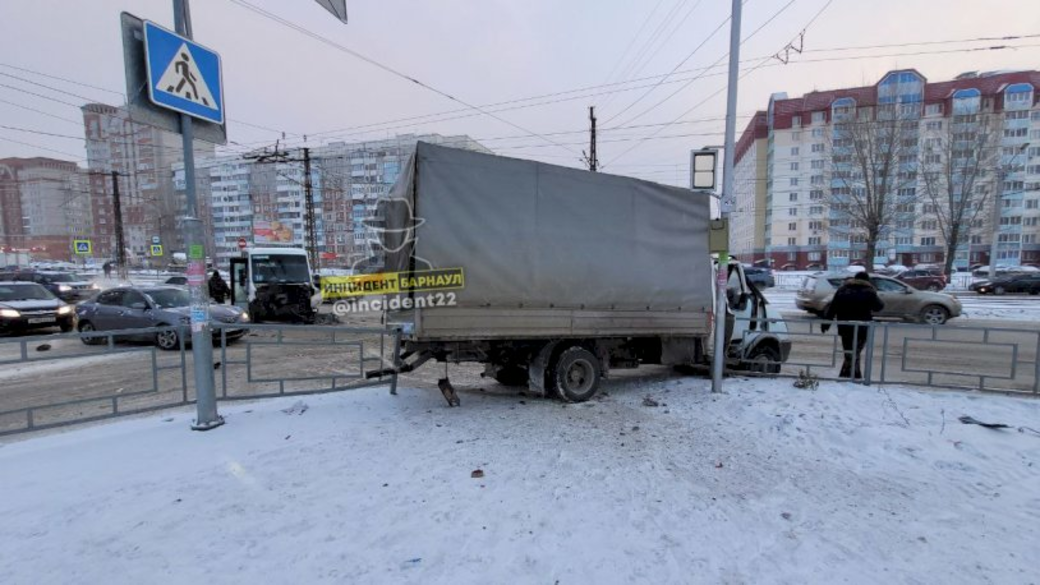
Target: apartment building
x=142, y=158
x=813, y=178
x=44, y=205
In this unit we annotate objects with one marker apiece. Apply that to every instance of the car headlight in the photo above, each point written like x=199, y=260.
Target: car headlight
x=95, y=286
x=64, y=288
x=244, y=317
x=64, y=310
x=9, y=313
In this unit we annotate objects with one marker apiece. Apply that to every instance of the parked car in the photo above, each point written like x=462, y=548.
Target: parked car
x=923, y=279
x=761, y=277
x=983, y=271
x=901, y=300
x=27, y=305
x=177, y=281
x=67, y=286
x=129, y=307
x=1012, y=283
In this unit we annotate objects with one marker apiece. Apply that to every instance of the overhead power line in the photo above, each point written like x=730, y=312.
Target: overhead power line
x=387, y=68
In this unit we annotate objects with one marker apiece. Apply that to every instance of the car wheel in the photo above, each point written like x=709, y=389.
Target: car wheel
x=764, y=359
x=999, y=290
x=167, y=340
x=575, y=376
x=934, y=287
x=934, y=315
x=88, y=327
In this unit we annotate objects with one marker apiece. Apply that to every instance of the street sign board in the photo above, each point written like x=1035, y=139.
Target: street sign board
x=141, y=108
x=156, y=250
x=242, y=243
x=156, y=240
x=82, y=247
x=183, y=75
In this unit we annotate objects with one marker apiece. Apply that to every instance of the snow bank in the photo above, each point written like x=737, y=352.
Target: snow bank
x=765, y=484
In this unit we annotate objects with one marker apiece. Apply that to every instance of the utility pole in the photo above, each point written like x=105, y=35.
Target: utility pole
x=308, y=200
x=201, y=332
x=727, y=202
x=117, y=210
x=593, y=161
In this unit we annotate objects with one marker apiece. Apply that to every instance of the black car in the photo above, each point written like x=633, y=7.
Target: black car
x=177, y=281
x=26, y=305
x=1014, y=283
x=67, y=286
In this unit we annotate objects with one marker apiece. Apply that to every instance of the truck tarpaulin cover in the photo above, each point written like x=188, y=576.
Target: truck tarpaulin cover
x=537, y=235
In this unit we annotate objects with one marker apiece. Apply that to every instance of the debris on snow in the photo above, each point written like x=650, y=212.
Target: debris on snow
x=477, y=473
x=648, y=401
x=298, y=408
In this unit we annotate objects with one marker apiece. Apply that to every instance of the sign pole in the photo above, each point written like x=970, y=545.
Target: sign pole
x=727, y=203
x=194, y=241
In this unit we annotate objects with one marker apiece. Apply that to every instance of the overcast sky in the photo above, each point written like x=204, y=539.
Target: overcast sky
x=490, y=51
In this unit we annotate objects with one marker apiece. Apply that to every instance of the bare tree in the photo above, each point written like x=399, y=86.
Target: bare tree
x=955, y=165
x=873, y=171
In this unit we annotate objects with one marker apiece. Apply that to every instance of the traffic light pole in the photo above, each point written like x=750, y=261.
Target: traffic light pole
x=201, y=332
x=727, y=202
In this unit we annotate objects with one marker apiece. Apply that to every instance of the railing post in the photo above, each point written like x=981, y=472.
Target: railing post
x=397, y=359
x=869, y=360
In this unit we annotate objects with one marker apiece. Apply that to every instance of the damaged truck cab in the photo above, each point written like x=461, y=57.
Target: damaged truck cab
x=275, y=284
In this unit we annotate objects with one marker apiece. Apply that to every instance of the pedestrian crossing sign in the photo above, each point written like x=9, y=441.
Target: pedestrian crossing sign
x=156, y=249
x=82, y=247
x=183, y=75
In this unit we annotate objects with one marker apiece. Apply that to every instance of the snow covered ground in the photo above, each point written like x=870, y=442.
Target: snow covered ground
x=764, y=484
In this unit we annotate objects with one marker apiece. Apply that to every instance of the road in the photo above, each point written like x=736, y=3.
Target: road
x=57, y=371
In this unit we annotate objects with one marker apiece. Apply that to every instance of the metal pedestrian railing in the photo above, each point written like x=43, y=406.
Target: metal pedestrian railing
x=49, y=381
x=948, y=356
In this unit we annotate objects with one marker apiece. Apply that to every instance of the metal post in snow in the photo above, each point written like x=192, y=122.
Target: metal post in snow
x=194, y=241
x=726, y=204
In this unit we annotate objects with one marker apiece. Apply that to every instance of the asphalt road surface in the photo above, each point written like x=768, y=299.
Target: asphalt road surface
x=62, y=379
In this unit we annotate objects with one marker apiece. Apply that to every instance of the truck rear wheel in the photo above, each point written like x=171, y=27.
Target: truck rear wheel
x=575, y=375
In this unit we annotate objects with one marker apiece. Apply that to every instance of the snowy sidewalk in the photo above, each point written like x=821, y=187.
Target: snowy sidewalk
x=765, y=484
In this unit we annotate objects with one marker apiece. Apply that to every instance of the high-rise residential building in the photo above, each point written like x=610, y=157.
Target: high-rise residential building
x=801, y=182
x=143, y=157
x=44, y=205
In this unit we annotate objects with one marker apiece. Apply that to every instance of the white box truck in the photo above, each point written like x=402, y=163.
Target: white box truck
x=553, y=276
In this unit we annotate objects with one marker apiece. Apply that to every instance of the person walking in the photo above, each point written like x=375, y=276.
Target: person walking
x=107, y=268
x=218, y=288
x=856, y=300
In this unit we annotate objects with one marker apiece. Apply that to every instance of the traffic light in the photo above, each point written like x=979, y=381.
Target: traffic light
x=702, y=169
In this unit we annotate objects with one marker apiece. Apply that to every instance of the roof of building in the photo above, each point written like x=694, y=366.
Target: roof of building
x=757, y=128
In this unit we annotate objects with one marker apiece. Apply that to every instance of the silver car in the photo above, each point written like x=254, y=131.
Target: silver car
x=155, y=306
x=901, y=300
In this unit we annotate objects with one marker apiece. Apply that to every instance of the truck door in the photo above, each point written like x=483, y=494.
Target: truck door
x=239, y=282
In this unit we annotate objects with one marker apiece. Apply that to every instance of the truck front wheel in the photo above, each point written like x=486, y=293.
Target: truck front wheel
x=575, y=376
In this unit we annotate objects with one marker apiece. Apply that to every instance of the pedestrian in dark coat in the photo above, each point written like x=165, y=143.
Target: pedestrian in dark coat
x=856, y=300
x=218, y=289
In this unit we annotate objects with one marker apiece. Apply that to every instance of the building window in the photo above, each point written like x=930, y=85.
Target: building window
x=933, y=110
x=1032, y=203
x=817, y=164
x=1011, y=220
x=817, y=132
x=816, y=210
x=794, y=166
x=929, y=224
x=794, y=181
x=794, y=151
x=792, y=197
x=935, y=125
x=838, y=253
x=816, y=225
x=815, y=256
x=793, y=212
x=976, y=239
x=792, y=241
x=814, y=240
x=791, y=227
x=816, y=194
x=903, y=241
x=1016, y=132
x=928, y=241
x=819, y=117
x=1016, y=115
x=818, y=147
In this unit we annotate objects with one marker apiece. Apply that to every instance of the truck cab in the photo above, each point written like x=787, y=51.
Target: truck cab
x=275, y=284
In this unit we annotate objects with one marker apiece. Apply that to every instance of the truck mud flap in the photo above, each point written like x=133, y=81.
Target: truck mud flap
x=536, y=371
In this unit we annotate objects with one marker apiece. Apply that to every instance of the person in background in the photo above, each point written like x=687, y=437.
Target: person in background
x=856, y=300
x=107, y=268
x=218, y=288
